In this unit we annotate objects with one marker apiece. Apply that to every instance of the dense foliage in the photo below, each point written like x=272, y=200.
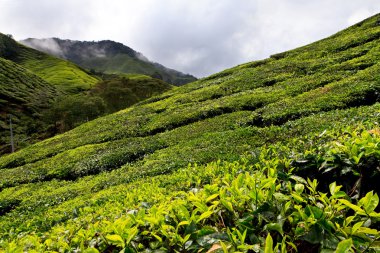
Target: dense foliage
x=284, y=156
x=254, y=204
x=23, y=96
x=103, y=98
x=46, y=95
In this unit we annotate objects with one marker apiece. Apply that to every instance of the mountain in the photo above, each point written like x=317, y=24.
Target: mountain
x=46, y=95
x=64, y=74
x=273, y=155
x=107, y=56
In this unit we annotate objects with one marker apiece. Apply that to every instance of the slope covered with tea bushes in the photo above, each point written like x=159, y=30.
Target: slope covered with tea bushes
x=23, y=96
x=284, y=156
x=46, y=95
x=65, y=75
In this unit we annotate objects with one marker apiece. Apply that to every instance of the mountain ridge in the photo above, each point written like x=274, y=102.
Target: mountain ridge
x=273, y=155
x=107, y=56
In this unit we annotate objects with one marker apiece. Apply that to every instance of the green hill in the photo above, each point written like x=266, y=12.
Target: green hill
x=108, y=96
x=23, y=95
x=284, y=156
x=109, y=57
x=65, y=75
x=47, y=95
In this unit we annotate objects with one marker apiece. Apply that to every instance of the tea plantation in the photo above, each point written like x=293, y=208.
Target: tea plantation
x=66, y=75
x=23, y=95
x=45, y=95
x=277, y=155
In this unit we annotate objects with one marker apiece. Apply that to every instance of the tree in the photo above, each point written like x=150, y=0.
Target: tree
x=74, y=110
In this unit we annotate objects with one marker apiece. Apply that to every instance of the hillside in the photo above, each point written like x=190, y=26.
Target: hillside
x=23, y=96
x=283, y=153
x=46, y=95
x=120, y=93
x=109, y=57
x=63, y=74
x=105, y=97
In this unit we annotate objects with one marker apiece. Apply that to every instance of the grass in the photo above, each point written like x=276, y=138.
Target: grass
x=294, y=134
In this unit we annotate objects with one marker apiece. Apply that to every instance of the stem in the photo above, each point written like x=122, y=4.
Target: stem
x=369, y=245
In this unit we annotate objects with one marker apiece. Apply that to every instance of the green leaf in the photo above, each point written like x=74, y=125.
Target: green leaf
x=280, y=197
x=356, y=226
x=334, y=190
x=340, y=194
x=274, y=226
x=369, y=231
x=297, y=197
x=376, y=246
x=227, y=205
x=327, y=251
x=298, y=179
x=344, y=246
x=374, y=215
x=315, y=235
x=211, y=239
x=352, y=206
x=315, y=211
x=211, y=197
x=332, y=187
x=157, y=237
x=349, y=220
x=91, y=250
x=183, y=212
x=185, y=239
x=313, y=184
x=299, y=188
x=115, y=240
x=330, y=241
x=224, y=247
x=205, y=215
x=268, y=244
x=132, y=232
x=369, y=202
x=182, y=223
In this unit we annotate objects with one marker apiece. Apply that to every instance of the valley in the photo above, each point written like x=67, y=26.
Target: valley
x=275, y=155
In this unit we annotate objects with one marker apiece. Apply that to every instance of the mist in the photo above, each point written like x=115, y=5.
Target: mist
x=199, y=37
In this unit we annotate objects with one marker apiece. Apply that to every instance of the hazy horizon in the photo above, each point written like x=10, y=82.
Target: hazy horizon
x=197, y=37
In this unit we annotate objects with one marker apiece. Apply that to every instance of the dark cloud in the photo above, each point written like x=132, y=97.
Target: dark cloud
x=198, y=37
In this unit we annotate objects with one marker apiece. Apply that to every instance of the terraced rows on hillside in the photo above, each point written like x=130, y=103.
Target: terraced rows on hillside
x=66, y=75
x=46, y=95
x=282, y=115
x=22, y=95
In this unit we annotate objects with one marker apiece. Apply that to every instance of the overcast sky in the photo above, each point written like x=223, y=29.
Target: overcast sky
x=199, y=37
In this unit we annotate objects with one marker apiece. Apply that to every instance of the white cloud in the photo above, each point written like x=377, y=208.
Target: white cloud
x=199, y=36
x=48, y=44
